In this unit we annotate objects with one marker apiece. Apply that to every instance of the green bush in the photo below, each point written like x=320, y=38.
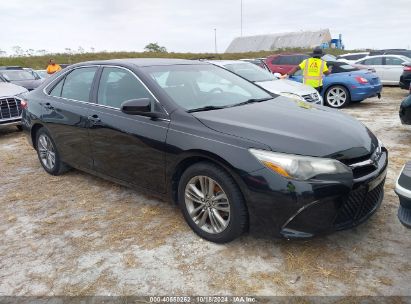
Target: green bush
x=40, y=62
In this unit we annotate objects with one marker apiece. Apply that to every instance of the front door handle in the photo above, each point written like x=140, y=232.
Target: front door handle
x=94, y=119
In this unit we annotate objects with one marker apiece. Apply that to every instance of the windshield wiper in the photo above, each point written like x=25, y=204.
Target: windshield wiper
x=252, y=100
x=206, y=108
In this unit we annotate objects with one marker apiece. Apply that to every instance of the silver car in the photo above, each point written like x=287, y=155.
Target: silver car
x=10, y=104
x=388, y=67
x=270, y=82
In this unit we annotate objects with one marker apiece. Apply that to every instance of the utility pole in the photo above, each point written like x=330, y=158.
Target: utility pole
x=241, y=18
x=215, y=41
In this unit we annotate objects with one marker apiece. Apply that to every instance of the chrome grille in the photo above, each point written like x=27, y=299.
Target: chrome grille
x=313, y=98
x=362, y=166
x=10, y=108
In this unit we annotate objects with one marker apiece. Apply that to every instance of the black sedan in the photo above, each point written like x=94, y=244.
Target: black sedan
x=229, y=153
x=21, y=77
x=405, y=79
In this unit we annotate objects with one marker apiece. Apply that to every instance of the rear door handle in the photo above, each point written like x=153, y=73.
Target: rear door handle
x=94, y=118
x=48, y=106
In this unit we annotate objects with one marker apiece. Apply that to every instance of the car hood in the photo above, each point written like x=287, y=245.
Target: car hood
x=9, y=89
x=294, y=127
x=286, y=86
x=28, y=84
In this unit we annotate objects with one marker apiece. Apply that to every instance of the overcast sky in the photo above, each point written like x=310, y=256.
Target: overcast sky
x=188, y=25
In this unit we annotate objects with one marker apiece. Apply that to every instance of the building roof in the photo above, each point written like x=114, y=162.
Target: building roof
x=271, y=42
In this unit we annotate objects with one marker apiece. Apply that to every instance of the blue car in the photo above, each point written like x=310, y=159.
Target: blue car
x=346, y=84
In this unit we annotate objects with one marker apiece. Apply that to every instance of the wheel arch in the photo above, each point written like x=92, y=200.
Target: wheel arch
x=194, y=156
x=33, y=133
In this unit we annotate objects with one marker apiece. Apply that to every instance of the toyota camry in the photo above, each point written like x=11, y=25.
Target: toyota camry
x=232, y=155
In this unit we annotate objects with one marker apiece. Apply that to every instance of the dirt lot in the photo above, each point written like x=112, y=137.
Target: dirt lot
x=80, y=235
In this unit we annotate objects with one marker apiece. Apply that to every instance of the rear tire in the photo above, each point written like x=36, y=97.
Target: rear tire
x=212, y=203
x=48, y=154
x=337, y=97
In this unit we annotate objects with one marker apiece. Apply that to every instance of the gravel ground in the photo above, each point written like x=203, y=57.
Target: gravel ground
x=80, y=235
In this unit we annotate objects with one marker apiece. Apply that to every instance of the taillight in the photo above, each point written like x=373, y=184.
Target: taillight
x=24, y=104
x=361, y=80
x=407, y=68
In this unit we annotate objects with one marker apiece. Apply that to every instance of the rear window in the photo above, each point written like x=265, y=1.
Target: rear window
x=291, y=59
x=352, y=57
x=341, y=68
x=393, y=61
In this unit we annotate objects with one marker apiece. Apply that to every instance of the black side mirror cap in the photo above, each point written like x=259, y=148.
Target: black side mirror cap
x=136, y=106
x=140, y=106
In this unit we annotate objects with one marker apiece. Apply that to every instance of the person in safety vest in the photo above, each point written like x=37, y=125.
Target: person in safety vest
x=313, y=69
x=53, y=67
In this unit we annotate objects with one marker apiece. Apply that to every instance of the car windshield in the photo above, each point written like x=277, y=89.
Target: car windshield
x=197, y=86
x=250, y=71
x=15, y=75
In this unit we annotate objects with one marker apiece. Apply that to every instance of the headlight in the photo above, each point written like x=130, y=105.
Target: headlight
x=292, y=96
x=299, y=167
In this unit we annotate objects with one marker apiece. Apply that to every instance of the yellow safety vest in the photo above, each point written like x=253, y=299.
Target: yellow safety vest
x=313, y=70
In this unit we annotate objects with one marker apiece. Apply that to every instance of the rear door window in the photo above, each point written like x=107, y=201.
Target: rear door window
x=372, y=61
x=77, y=85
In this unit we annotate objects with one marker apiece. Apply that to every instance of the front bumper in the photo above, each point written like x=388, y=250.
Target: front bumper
x=405, y=111
x=405, y=81
x=403, y=190
x=360, y=93
x=16, y=121
x=293, y=209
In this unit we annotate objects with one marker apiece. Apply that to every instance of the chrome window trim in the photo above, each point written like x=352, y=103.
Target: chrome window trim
x=96, y=103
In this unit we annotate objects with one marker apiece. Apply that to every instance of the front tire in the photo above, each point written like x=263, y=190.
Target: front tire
x=48, y=154
x=337, y=97
x=212, y=203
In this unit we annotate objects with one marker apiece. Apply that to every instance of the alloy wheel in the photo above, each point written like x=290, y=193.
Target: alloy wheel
x=336, y=97
x=207, y=204
x=46, y=151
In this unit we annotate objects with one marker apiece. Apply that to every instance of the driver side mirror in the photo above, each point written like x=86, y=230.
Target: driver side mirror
x=140, y=106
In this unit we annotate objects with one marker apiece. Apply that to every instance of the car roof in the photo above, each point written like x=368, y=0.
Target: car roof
x=223, y=62
x=348, y=54
x=386, y=55
x=143, y=62
x=11, y=67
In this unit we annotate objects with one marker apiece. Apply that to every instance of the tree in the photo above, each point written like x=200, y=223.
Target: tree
x=41, y=52
x=18, y=50
x=155, y=48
